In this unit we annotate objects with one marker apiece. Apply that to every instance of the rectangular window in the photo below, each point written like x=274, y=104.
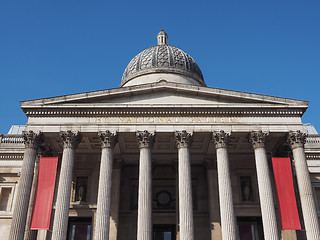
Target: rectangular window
x=5, y=198
x=79, y=228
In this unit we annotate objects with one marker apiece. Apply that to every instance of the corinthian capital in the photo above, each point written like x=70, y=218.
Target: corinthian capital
x=220, y=139
x=297, y=139
x=183, y=139
x=32, y=139
x=70, y=139
x=145, y=139
x=258, y=139
x=108, y=139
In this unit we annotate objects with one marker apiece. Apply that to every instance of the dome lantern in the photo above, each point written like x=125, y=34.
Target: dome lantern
x=162, y=37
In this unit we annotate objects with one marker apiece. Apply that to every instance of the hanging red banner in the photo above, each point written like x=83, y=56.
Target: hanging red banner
x=42, y=204
x=285, y=192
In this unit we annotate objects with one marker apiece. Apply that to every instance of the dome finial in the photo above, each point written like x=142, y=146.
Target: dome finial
x=162, y=37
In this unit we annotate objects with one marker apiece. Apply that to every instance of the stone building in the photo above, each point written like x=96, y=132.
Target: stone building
x=161, y=157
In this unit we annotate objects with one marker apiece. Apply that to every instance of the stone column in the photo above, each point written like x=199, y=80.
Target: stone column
x=228, y=221
x=108, y=141
x=19, y=218
x=146, y=141
x=115, y=199
x=213, y=201
x=60, y=224
x=183, y=140
x=311, y=222
x=28, y=233
x=268, y=212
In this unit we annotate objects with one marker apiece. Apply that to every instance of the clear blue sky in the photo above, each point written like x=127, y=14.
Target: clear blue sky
x=52, y=48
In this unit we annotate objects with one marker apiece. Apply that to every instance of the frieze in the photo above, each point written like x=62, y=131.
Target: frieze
x=164, y=120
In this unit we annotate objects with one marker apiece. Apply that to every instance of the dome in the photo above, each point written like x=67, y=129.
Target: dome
x=162, y=62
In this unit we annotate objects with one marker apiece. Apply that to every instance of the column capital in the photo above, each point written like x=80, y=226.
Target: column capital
x=258, y=139
x=108, y=139
x=297, y=139
x=32, y=139
x=183, y=139
x=145, y=139
x=220, y=139
x=70, y=139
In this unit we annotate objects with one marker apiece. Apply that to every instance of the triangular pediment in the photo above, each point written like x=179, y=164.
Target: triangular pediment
x=165, y=95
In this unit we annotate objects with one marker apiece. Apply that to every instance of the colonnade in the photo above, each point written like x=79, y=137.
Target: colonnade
x=144, y=228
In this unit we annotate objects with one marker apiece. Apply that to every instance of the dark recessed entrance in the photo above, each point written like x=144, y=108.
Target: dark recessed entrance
x=164, y=232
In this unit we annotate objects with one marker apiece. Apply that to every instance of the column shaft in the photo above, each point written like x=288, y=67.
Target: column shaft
x=228, y=222
x=268, y=211
x=146, y=141
x=32, y=234
x=183, y=140
x=145, y=196
x=104, y=193
x=19, y=217
x=61, y=215
x=309, y=210
x=185, y=195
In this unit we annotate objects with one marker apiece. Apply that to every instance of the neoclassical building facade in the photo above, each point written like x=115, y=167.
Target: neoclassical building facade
x=161, y=157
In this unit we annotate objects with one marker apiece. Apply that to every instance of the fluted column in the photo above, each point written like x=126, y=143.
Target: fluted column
x=115, y=199
x=183, y=141
x=228, y=222
x=108, y=141
x=19, y=218
x=60, y=224
x=28, y=233
x=311, y=222
x=145, y=140
x=268, y=212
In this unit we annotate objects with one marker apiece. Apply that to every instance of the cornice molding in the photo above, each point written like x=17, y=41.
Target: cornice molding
x=177, y=111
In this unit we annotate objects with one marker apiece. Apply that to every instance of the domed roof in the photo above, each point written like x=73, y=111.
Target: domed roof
x=162, y=58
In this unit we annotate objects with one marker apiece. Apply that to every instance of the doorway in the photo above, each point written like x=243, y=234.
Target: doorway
x=164, y=232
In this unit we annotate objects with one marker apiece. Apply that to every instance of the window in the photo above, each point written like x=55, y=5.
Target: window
x=6, y=196
x=79, y=228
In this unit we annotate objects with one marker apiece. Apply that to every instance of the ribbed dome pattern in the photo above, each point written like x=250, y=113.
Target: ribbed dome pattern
x=162, y=59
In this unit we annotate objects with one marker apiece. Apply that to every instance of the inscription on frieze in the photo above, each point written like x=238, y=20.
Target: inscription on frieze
x=164, y=120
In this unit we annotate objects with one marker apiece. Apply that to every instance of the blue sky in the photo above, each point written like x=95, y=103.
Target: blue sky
x=52, y=48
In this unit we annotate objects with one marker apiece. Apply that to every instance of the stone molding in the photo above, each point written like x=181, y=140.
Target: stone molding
x=297, y=139
x=108, y=139
x=258, y=139
x=32, y=139
x=145, y=139
x=220, y=139
x=70, y=139
x=183, y=139
x=161, y=112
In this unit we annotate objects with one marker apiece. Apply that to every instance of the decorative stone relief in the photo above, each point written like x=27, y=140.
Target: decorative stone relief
x=70, y=139
x=32, y=139
x=297, y=139
x=108, y=139
x=183, y=139
x=258, y=139
x=145, y=139
x=220, y=139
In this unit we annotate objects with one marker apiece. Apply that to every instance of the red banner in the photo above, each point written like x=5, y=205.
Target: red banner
x=42, y=204
x=286, y=196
